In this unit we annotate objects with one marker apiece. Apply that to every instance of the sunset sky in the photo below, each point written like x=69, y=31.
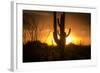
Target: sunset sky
x=80, y=24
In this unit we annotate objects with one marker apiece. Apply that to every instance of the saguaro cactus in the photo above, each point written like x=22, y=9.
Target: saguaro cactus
x=61, y=24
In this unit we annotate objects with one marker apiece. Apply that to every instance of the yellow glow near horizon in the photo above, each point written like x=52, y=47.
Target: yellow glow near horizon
x=68, y=40
x=74, y=40
x=50, y=41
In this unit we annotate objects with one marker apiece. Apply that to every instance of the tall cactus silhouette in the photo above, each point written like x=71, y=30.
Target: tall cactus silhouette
x=62, y=36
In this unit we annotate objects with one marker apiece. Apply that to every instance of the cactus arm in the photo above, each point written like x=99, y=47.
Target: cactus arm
x=68, y=32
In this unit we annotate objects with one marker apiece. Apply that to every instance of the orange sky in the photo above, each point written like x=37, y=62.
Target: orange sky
x=80, y=24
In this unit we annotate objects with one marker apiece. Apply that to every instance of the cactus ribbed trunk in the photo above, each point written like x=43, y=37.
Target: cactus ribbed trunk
x=62, y=30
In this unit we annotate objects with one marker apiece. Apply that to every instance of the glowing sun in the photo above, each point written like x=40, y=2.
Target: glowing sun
x=68, y=40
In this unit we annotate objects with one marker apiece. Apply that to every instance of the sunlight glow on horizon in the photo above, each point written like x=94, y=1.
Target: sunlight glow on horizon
x=50, y=41
x=70, y=39
x=74, y=39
